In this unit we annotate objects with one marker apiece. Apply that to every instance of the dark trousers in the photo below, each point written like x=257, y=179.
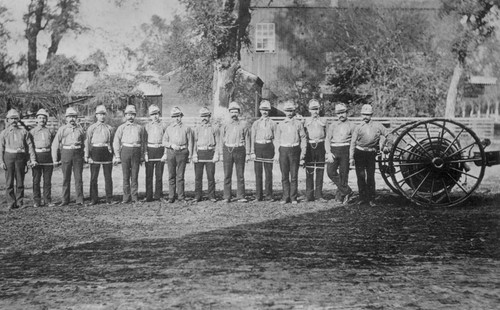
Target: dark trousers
x=289, y=166
x=365, y=172
x=198, y=172
x=45, y=172
x=338, y=171
x=72, y=161
x=264, y=151
x=234, y=156
x=101, y=154
x=155, y=167
x=16, y=163
x=131, y=161
x=176, y=161
x=315, y=153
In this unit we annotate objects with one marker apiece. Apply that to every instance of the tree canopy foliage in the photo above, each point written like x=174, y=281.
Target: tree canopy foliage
x=379, y=56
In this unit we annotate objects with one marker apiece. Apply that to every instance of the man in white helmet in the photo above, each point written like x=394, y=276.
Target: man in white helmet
x=235, y=142
x=178, y=143
x=69, y=140
x=367, y=139
x=154, y=151
x=290, y=144
x=262, y=151
x=205, y=154
x=16, y=148
x=129, y=151
x=315, y=128
x=42, y=140
x=99, y=151
x=337, y=145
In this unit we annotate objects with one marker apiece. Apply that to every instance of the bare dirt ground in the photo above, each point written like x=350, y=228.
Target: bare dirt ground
x=254, y=255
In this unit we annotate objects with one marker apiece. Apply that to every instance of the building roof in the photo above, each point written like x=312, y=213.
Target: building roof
x=483, y=80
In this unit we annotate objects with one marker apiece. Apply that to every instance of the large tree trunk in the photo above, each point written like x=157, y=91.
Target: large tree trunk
x=451, y=98
x=33, y=27
x=223, y=84
x=55, y=39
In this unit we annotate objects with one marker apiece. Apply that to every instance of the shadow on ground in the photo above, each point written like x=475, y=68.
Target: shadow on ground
x=392, y=234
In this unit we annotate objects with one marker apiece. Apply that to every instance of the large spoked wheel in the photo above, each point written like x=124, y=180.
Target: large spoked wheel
x=437, y=162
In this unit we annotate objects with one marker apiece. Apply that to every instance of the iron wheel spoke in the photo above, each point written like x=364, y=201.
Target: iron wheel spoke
x=467, y=174
x=420, y=185
x=453, y=142
x=411, y=175
x=457, y=183
x=420, y=145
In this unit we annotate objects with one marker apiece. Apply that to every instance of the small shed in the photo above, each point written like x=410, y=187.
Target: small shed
x=148, y=83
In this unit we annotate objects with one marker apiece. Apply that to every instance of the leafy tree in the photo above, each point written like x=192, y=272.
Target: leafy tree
x=56, y=74
x=221, y=28
x=476, y=19
x=58, y=19
x=372, y=55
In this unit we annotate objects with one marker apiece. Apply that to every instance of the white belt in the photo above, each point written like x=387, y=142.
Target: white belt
x=71, y=147
x=205, y=148
x=316, y=141
x=100, y=144
x=19, y=150
x=263, y=141
x=234, y=145
x=366, y=149
x=42, y=149
x=131, y=144
x=290, y=145
x=340, y=144
x=181, y=147
x=155, y=145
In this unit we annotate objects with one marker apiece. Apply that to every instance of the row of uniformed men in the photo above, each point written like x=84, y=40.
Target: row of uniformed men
x=290, y=143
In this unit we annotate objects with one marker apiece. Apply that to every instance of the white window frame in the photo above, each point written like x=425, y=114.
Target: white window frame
x=265, y=38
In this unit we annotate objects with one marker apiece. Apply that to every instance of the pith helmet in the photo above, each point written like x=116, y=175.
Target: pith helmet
x=12, y=113
x=153, y=109
x=71, y=112
x=366, y=109
x=265, y=105
x=289, y=106
x=100, y=109
x=234, y=106
x=204, y=111
x=130, y=109
x=340, y=108
x=175, y=112
x=313, y=104
x=42, y=112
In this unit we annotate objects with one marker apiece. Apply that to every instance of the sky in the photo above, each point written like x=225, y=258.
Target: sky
x=111, y=28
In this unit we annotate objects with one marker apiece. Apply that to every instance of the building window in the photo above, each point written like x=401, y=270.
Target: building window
x=264, y=38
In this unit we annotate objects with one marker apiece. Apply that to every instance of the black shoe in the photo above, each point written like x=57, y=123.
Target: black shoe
x=171, y=200
x=227, y=200
x=14, y=207
x=347, y=198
